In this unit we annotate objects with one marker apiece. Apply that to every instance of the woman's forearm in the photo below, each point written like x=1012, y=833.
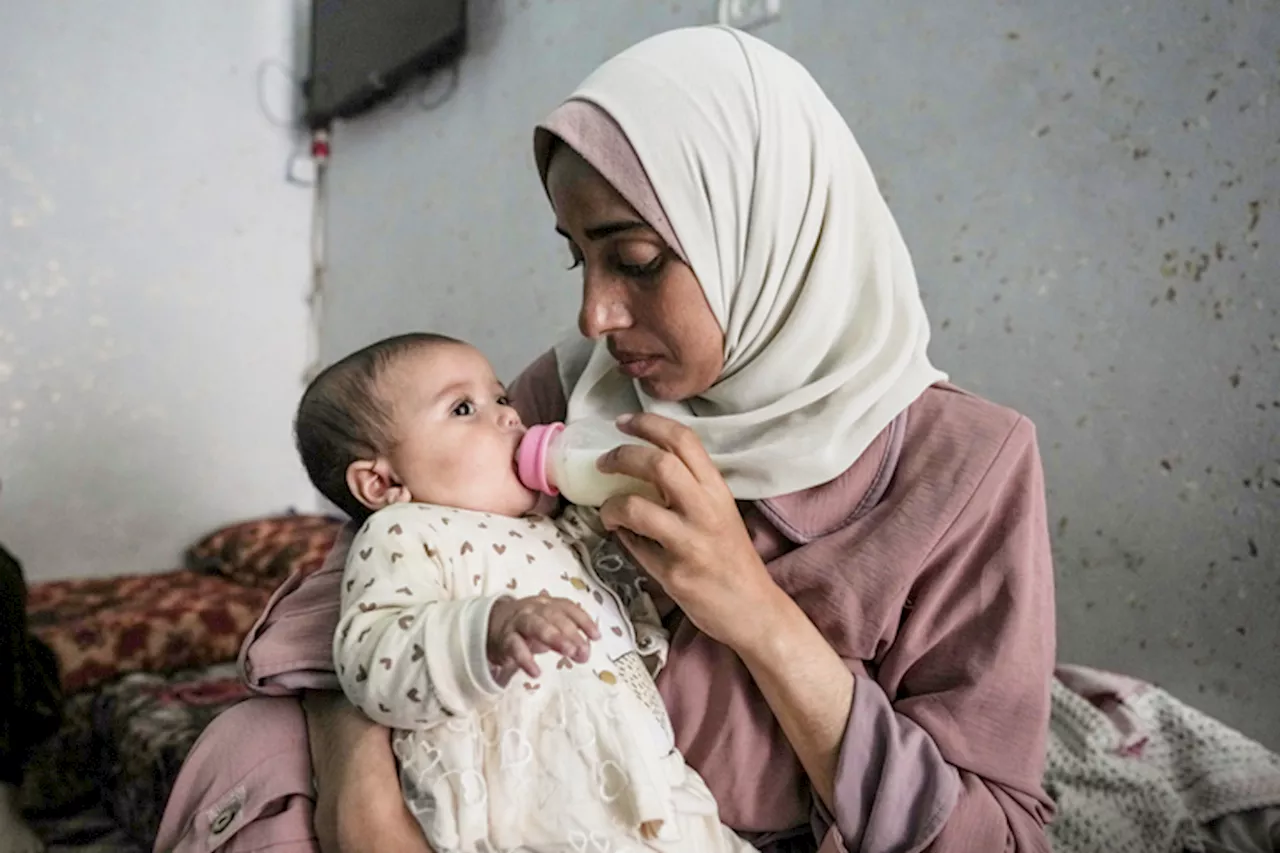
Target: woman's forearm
x=808, y=687
x=359, y=806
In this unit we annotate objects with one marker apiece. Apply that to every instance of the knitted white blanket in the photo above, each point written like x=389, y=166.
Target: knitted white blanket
x=1133, y=770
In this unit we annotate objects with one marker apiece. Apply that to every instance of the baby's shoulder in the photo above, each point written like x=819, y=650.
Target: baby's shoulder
x=429, y=520
x=405, y=519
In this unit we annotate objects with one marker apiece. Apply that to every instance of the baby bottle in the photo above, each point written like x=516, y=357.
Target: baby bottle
x=561, y=459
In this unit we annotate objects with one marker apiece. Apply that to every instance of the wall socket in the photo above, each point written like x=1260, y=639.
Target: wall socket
x=749, y=14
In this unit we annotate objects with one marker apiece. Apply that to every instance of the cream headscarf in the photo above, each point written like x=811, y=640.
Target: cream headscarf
x=737, y=157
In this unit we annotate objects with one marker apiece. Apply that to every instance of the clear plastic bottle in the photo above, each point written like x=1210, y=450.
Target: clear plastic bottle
x=561, y=459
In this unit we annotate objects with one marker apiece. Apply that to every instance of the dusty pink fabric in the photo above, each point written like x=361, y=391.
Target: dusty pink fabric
x=246, y=785
x=926, y=566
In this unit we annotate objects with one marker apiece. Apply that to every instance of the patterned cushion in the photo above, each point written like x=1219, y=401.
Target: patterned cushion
x=263, y=552
x=100, y=628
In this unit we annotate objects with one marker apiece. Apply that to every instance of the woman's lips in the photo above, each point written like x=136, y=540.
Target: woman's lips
x=637, y=366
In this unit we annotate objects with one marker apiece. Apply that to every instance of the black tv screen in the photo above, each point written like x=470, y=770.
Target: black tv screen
x=363, y=51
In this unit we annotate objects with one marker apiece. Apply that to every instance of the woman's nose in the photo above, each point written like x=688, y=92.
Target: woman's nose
x=604, y=308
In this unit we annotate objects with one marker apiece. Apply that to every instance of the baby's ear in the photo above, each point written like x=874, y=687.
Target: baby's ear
x=374, y=484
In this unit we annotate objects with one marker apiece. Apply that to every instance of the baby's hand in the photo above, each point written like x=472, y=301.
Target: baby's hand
x=520, y=628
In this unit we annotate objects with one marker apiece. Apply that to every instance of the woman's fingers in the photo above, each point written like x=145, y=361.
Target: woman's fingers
x=675, y=438
x=648, y=553
x=652, y=465
x=643, y=517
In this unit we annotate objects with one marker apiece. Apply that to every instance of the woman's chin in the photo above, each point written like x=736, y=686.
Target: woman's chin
x=673, y=382
x=657, y=387
x=661, y=388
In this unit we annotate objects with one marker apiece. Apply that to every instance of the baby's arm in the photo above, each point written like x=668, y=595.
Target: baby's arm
x=407, y=653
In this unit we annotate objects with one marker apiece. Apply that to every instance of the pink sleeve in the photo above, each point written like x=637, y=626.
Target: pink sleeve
x=894, y=788
x=290, y=648
x=537, y=394
x=954, y=764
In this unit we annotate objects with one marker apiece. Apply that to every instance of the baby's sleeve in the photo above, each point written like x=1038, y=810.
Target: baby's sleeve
x=408, y=653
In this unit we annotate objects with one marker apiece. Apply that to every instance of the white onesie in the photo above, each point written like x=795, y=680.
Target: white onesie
x=575, y=760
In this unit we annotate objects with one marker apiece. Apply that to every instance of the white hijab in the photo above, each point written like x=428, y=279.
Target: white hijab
x=778, y=214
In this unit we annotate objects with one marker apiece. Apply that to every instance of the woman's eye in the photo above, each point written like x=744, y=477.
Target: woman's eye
x=638, y=259
x=648, y=269
x=464, y=409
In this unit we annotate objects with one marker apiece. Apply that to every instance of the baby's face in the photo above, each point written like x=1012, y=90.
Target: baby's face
x=456, y=434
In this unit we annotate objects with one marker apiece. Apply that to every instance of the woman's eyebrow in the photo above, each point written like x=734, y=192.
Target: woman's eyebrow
x=608, y=229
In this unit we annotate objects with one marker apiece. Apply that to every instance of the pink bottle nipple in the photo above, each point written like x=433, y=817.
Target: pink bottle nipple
x=531, y=457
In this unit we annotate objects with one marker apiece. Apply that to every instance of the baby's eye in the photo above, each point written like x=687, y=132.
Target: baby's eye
x=504, y=400
x=464, y=409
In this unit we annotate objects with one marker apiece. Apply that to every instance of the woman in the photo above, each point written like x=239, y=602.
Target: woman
x=854, y=554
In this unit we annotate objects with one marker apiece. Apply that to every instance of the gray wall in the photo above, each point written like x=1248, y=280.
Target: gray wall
x=1092, y=195
x=153, y=273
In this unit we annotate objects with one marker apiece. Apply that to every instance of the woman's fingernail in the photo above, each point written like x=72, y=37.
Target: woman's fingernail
x=623, y=420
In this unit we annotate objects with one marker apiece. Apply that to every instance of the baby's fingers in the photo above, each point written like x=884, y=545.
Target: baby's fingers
x=582, y=620
x=502, y=673
x=536, y=646
x=555, y=633
x=517, y=651
x=576, y=647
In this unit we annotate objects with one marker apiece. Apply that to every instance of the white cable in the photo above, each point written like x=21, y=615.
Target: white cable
x=315, y=299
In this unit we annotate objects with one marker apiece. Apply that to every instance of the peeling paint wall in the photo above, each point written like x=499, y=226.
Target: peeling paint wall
x=1092, y=195
x=153, y=270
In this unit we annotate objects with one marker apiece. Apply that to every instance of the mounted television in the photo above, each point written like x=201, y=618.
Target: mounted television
x=364, y=51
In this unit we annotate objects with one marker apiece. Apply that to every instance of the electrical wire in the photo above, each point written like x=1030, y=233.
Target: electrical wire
x=319, y=262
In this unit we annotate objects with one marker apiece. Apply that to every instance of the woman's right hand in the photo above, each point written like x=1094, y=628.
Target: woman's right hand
x=359, y=805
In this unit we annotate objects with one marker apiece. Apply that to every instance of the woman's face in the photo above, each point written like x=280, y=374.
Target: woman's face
x=636, y=292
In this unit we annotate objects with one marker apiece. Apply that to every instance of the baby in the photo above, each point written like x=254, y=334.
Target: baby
x=512, y=653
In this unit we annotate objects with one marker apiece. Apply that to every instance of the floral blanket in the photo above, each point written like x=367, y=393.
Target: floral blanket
x=101, y=628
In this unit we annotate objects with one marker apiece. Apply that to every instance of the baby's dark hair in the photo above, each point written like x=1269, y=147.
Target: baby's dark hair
x=342, y=419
